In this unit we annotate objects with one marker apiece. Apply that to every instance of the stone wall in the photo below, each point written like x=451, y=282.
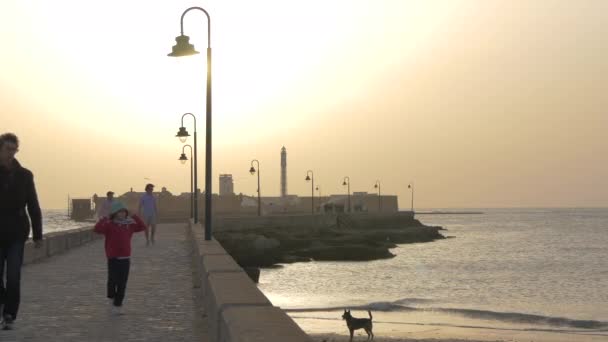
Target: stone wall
x=58, y=242
x=377, y=221
x=237, y=310
x=278, y=221
x=355, y=220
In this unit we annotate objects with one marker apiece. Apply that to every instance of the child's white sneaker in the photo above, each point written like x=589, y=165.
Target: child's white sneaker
x=116, y=310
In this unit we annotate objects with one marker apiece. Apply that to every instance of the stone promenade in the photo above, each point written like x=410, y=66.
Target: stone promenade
x=63, y=297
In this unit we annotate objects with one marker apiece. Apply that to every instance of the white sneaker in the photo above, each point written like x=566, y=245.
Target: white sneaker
x=7, y=322
x=116, y=310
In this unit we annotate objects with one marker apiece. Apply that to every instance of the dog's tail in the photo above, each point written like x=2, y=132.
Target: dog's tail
x=370, y=314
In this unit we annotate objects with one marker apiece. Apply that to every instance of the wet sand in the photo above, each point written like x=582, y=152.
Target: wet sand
x=329, y=327
x=341, y=338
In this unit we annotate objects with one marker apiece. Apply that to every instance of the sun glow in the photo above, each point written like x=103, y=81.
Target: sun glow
x=391, y=89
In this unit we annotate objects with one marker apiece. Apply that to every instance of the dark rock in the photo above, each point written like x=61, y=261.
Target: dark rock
x=253, y=273
x=265, y=247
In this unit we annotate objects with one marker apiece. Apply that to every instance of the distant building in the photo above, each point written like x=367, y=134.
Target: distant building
x=80, y=209
x=283, y=172
x=226, y=185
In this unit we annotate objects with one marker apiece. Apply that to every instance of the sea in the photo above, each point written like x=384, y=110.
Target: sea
x=54, y=220
x=505, y=274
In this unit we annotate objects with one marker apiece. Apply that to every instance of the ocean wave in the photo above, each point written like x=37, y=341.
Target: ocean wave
x=398, y=305
x=510, y=317
x=380, y=306
x=515, y=317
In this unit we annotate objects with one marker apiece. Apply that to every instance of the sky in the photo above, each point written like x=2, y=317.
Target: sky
x=478, y=103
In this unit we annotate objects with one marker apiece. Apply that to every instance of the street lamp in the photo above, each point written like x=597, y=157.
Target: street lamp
x=184, y=48
x=183, y=159
x=252, y=171
x=310, y=176
x=411, y=186
x=377, y=186
x=183, y=135
x=346, y=182
x=318, y=188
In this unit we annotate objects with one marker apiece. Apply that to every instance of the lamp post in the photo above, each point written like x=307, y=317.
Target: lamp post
x=377, y=186
x=411, y=186
x=318, y=188
x=252, y=171
x=184, y=48
x=183, y=135
x=310, y=176
x=346, y=182
x=183, y=160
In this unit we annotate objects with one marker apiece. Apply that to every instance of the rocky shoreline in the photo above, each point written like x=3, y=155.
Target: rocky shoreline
x=270, y=246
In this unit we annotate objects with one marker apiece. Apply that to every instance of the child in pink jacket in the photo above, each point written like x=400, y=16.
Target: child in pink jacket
x=118, y=229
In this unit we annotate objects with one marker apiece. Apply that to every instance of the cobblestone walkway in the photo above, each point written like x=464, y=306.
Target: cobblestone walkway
x=63, y=298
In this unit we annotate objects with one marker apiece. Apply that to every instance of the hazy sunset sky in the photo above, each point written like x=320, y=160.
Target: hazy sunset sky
x=480, y=103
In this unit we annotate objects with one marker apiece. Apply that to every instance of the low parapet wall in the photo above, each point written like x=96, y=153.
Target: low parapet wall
x=377, y=221
x=273, y=221
x=57, y=243
x=307, y=221
x=236, y=308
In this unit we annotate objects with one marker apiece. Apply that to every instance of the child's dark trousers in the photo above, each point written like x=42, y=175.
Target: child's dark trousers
x=118, y=274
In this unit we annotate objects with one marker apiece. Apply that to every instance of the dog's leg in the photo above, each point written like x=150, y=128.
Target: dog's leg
x=351, y=335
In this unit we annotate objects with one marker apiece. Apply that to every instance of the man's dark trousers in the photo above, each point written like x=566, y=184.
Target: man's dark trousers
x=11, y=259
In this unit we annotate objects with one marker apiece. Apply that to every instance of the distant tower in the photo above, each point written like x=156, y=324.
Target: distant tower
x=226, y=185
x=283, y=172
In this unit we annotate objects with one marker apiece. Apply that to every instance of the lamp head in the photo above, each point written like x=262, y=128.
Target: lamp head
x=344, y=183
x=252, y=170
x=183, y=158
x=376, y=186
x=182, y=47
x=182, y=134
x=307, y=178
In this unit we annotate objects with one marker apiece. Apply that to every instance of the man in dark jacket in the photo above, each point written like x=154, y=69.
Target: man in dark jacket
x=17, y=192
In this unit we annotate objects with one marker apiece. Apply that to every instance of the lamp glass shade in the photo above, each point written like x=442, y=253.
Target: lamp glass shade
x=182, y=47
x=183, y=158
x=182, y=134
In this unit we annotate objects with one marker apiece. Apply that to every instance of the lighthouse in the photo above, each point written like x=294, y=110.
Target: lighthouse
x=283, y=172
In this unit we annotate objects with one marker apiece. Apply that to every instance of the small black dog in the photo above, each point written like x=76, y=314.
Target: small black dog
x=358, y=323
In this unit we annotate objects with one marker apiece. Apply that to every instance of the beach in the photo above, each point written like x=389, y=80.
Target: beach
x=507, y=275
x=390, y=327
